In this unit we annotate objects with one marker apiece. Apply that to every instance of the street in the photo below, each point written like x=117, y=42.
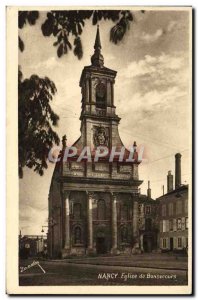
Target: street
x=105, y=271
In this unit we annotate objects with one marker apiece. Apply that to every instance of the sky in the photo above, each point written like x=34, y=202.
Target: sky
x=151, y=95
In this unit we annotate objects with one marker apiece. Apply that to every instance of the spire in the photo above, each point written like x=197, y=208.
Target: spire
x=97, y=41
x=97, y=59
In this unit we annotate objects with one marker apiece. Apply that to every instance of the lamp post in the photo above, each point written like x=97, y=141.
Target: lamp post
x=43, y=229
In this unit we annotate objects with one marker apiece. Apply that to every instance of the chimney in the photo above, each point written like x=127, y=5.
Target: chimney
x=169, y=182
x=177, y=170
x=149, y=191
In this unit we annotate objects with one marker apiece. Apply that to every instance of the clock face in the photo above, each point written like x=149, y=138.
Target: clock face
x=100, y=90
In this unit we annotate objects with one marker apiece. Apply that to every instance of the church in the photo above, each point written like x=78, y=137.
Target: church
x=95, y=207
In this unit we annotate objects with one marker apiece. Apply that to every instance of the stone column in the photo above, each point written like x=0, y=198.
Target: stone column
x=87, y=93
x=67, y=222
x=114, y=225
x=135, y=219
x=109, y=100
x=90, y=90
x=136, y=240
x=90, y=222
x=112, y=93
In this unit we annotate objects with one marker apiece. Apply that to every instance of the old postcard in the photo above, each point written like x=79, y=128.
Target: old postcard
x=99, y=150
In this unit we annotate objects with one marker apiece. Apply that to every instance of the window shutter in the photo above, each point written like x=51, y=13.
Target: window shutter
x=183, y=223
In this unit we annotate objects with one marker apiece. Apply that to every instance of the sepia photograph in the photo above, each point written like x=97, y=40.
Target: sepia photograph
x=103, y=149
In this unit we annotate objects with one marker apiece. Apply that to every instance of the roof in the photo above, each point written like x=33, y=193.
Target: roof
x=145, y=199
x=182, y=188
x=94, y=69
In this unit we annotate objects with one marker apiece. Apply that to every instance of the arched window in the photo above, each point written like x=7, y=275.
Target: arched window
x=77, y=235
x=77, y=210
x=124, y=234
x=101, y=210
x=101, y=95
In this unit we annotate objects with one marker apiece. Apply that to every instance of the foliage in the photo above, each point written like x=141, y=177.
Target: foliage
x=67, y=26
x=36, y=118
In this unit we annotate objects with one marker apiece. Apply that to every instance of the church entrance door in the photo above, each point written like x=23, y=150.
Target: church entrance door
x=147, y=243
x=101, y=245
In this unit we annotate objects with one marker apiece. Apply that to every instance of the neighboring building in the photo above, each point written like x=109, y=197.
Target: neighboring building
x=173, y=213
x=93, y=205
x=32, y=245
x=148, y=228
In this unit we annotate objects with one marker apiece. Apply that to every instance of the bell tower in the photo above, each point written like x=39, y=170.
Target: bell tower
x=93, y=198
x=98, y=114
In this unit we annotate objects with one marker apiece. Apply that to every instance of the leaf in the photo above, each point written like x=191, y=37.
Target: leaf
x=47, y=27
x=55, y=43
x=21, y=44
x=65, y=48
x=32, y=16
x=78, y=47
x=22, y=17
x=118, y=31
x=60, y=50
x=79, y=29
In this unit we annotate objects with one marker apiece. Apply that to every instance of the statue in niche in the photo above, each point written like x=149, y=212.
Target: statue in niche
x=100, y=137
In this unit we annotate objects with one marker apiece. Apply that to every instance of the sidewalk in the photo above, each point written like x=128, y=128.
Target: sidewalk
x=156, y=261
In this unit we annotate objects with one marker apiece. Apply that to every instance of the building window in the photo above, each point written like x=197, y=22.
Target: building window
x=164, y=210
x=101, y=210
x=186, y=223
x=170, y=209
x=179, y=207
x=124, y=212
x=77, y=235
x=179, y=224
x=101, y=95
x=164, y=226
x=164, y=243
x=148, y=209
x=124, y=234
x=77, y=210
x=171, y=225
x=179, y=242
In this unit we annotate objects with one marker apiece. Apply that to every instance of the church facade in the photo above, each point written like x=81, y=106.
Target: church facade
x=95, y=206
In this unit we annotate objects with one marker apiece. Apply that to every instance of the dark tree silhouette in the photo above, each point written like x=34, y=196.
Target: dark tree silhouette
x=67, y=26
x=36, y=118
